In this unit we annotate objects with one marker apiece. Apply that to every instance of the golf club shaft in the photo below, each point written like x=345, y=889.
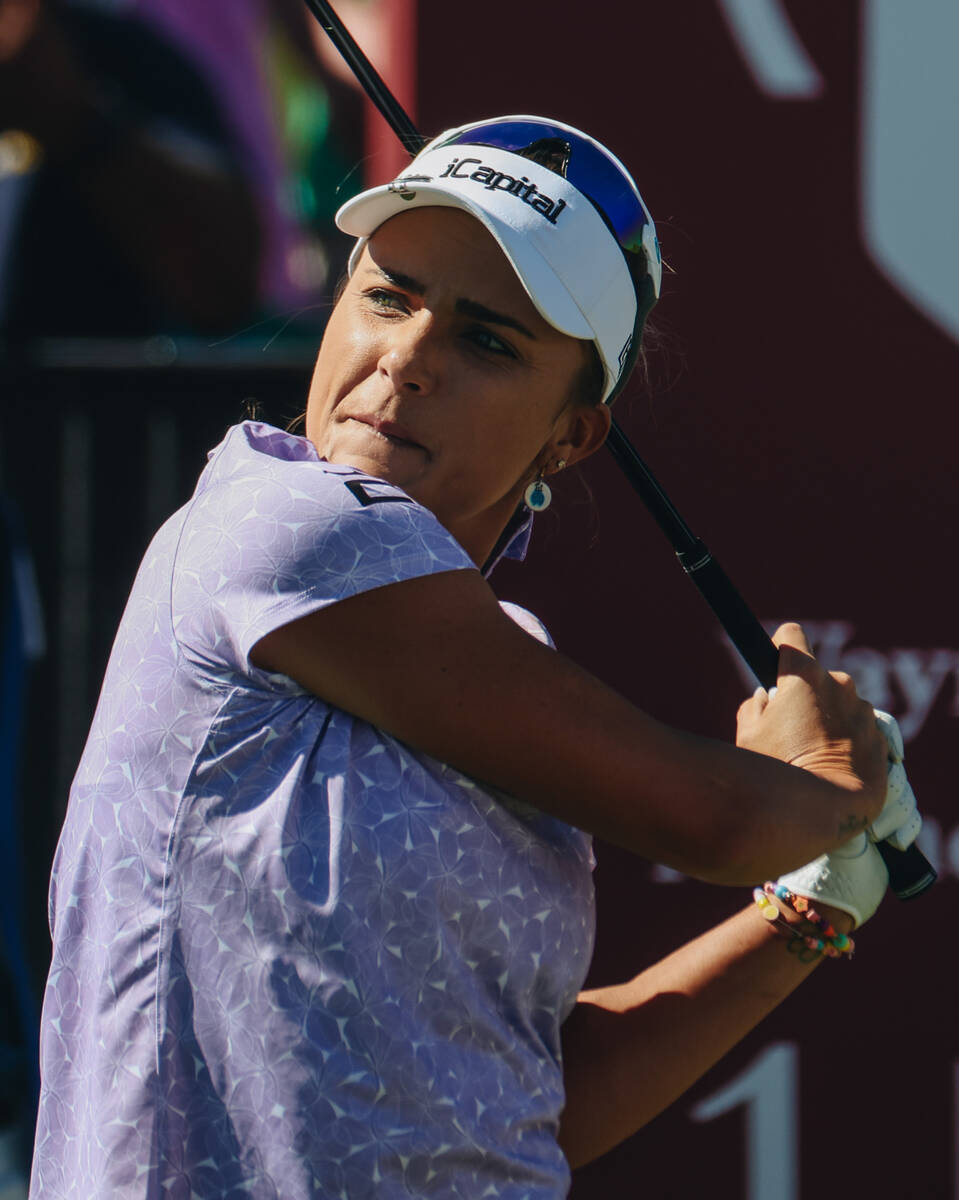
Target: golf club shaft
x=910, y=874
x=368, y=76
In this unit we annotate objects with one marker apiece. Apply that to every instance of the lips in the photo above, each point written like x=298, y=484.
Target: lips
x=392, y=431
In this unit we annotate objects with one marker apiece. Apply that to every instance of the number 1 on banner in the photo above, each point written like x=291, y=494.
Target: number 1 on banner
x=769, y=1088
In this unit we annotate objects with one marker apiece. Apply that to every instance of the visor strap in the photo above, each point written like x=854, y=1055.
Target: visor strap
x=355, y=254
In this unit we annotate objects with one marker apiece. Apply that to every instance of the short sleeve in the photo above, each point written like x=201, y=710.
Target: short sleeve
x=266, y=541
x=528, y=621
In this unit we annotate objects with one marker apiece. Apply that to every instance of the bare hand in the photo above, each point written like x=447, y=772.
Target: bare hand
x=817, y=721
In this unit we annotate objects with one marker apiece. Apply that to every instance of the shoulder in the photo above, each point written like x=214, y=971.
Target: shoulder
x=273, y=534
x=269, y=487
x=255, y=453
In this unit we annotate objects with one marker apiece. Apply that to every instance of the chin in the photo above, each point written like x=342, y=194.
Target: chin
x=380, y=465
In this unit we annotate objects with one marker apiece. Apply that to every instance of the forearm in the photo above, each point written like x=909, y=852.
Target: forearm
x=703, y=806
x=632, y=1049
x=468, y=687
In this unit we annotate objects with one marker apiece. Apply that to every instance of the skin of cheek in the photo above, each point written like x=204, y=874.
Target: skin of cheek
x=481, y=425
x=332, y=381
x=496, y=455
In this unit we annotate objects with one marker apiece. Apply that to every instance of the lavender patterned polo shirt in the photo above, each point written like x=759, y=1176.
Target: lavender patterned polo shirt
x=291, y=956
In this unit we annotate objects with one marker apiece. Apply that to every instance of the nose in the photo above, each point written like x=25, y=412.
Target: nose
x=411, y=357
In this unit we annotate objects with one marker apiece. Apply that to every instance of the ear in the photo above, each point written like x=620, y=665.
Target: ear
x=583, y=430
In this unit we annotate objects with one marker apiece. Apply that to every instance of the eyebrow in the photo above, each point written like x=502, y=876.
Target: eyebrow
x=406, y=282
x=472, y=308
x=469, y=308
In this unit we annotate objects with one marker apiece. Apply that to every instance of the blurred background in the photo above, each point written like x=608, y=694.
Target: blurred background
x=168, y=174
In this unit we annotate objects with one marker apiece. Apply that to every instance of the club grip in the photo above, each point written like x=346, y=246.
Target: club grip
x=756, y=647
x=910, y=872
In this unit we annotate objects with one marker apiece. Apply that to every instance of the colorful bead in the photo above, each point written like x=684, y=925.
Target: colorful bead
x=829, y=942
x=769, y=911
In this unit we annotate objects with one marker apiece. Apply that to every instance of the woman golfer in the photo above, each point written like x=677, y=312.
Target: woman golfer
x=322, y=906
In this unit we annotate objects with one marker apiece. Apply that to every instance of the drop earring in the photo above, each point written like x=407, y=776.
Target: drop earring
x=538, y=495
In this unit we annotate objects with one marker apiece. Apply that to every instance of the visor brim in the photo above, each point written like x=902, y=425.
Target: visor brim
x=363, y=215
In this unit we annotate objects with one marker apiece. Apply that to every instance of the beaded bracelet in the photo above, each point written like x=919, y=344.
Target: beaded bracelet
x=800, y=906
x=832, y=944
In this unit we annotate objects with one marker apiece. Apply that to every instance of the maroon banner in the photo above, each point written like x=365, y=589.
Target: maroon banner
x=799, y=159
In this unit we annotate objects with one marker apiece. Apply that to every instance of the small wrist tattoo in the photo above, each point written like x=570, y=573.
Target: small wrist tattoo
x=797, y=945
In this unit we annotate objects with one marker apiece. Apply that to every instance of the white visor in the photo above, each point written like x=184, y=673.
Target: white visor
x=560, y=247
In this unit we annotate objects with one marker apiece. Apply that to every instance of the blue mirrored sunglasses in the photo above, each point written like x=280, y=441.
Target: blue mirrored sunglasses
x=589, y=168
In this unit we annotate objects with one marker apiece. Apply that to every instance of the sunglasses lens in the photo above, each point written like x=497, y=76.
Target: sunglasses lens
x=588, y=168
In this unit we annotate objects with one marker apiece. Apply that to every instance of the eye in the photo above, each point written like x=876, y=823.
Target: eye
x=384, y=300
x=485, y=339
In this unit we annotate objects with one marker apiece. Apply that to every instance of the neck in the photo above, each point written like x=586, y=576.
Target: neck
x=486, y=536
x=513, y=526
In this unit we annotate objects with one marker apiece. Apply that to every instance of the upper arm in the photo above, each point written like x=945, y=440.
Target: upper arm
x=435, y=662
x=272, y=536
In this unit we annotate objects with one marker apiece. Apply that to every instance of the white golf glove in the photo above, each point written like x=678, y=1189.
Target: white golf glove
x=899, y=822
x=854, y=878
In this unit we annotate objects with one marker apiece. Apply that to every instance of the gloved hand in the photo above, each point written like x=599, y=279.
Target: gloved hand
x=853, y=877
x=899, y=822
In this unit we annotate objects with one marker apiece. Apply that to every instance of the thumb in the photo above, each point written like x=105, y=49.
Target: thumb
x=795, y=653
x=791, y=634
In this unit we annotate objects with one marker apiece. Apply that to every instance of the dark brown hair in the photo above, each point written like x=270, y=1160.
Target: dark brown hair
x=589, y=382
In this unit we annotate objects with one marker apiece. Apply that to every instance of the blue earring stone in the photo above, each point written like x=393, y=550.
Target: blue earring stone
x=538, y=496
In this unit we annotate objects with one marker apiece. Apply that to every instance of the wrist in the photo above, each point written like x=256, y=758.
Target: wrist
x=840, y=920
x=810, y=930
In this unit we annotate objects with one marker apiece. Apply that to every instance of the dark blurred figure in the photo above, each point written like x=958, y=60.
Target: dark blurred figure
x=22, y=641
x=130, y=211
x=161, y=163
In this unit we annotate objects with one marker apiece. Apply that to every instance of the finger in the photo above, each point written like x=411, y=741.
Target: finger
x=890, y=727
x=754, y=706
x=795, y=654
x=899, y=808
x=792, y=634
x=903, y=838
